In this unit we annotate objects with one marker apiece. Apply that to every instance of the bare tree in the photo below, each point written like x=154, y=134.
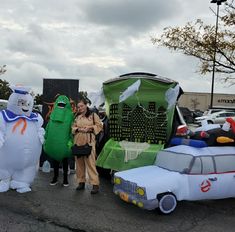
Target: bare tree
x=2, y=69
x=198, y=40
x=194, y=103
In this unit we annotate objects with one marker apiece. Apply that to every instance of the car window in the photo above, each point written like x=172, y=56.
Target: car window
x=215, y=111
x=225, y=163
x=221, y=115
x=230, y=114
x=207, y=112
x=207, y=165
x=197, y=166
x=173, y=161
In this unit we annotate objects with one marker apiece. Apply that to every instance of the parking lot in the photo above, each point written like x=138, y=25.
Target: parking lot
x=54, y=208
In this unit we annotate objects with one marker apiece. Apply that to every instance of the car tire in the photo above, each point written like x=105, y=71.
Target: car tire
x=167, y=203
x=210, y=122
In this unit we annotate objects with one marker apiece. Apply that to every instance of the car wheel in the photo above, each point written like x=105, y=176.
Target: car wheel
x=209, y=122
x=167, y=203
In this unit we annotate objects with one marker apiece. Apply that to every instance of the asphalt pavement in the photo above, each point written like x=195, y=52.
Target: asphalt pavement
x=58, y=208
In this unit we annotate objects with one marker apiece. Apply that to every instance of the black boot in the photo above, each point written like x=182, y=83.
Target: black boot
x=95, y=189
x=81, y=186
x=65, y=172
x=56, y=173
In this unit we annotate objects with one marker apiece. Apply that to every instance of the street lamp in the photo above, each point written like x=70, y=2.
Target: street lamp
x=218, y=2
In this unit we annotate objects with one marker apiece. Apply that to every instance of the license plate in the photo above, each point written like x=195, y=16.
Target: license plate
x=124, y=196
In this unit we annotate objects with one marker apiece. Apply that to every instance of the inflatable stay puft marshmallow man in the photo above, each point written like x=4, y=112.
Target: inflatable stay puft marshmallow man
x=21, y=139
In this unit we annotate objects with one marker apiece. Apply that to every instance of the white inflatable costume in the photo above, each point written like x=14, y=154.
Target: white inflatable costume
x=21, y=139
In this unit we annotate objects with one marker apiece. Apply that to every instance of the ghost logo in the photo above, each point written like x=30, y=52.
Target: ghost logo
x=205, y=186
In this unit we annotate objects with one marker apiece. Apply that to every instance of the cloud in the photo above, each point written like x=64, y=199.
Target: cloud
x=29, y=74
x=135, y=17
x=94, y=41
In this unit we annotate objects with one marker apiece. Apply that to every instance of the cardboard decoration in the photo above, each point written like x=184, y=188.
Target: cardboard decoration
x=140, y=108
x=21, y=139
x=58, y=137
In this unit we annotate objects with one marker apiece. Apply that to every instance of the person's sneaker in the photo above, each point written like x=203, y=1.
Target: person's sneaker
x=54, y=181
x=81, y=186
x=65, y=183
x=95, y=189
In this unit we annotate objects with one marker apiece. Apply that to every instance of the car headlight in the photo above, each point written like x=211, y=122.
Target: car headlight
x=140, y=191
x=140, y=204
x=117, y=180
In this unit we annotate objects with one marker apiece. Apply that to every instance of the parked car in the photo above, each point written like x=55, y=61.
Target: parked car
x=180, y=173
x=216, y=118
x=3, y=104
x=197, y=113
x=216, y=109
x=187, y=114
x=211, y=111
x=37, y=108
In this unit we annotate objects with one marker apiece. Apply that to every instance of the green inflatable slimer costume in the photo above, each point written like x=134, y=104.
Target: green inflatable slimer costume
x=58, y=136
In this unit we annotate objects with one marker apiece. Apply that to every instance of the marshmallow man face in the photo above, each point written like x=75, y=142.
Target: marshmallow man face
x=20, y=104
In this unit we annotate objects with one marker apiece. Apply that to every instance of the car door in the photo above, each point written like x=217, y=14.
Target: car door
x=202, y=179
x=225, y=167
x=220, y=118
x=230, y=115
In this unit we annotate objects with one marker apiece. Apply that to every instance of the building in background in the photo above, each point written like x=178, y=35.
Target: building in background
x=201, y=101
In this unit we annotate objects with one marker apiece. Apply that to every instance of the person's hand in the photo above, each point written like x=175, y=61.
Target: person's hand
x=85, y=129
x=88, y=128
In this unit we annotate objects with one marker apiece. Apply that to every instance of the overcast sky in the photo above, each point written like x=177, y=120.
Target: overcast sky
x=96, y=40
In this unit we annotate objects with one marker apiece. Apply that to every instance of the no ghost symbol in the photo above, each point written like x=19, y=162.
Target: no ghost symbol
x=205, y=186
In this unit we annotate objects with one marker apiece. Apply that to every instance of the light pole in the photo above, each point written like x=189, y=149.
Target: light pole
x=218, y=2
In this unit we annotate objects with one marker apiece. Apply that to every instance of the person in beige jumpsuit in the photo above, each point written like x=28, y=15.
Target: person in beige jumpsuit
x=86, y=125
